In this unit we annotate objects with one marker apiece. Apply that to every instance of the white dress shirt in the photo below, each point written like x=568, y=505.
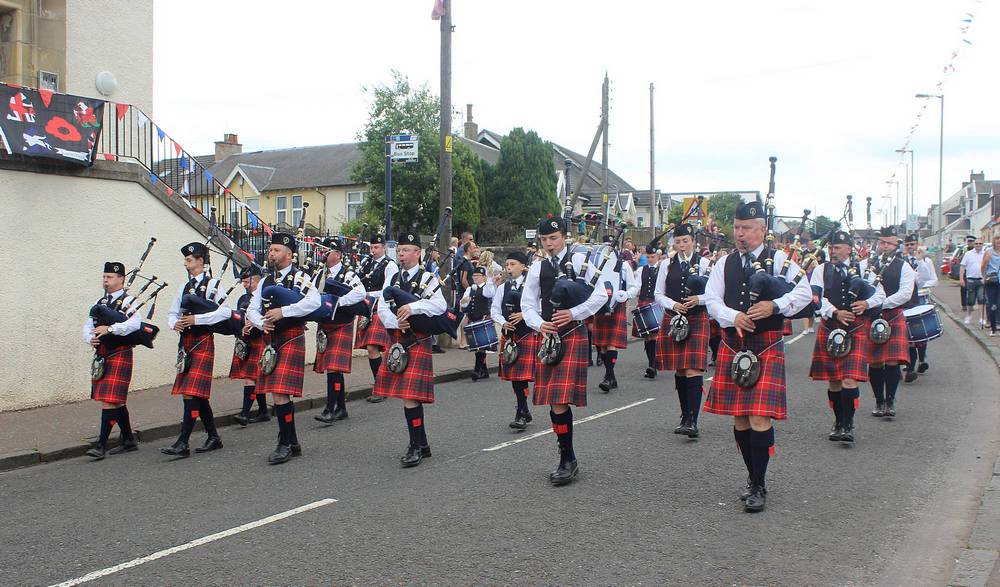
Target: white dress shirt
x=660, y=289
x=827, y=309
x=357, y=292
x=212, y=293
x=308, y=304
x=531, y=304
x=631, y=285
x=496, y=308
x=489, y=292
x=926, y=273
x=788, y=305
x=119, y=328
x=391, y=269
x=435, y=305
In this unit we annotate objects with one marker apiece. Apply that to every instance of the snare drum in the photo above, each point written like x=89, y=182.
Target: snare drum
x=646, y=319
x=481, y=336
x=923, y=297
x=922, y=323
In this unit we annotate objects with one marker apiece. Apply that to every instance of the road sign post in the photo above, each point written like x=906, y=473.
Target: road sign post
x=397, y=148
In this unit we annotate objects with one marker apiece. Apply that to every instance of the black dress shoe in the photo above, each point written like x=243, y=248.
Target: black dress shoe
x=124, y=447
x=837, y=433
x=599, y=361
x=326, y=417
x=437, y=350
x=375, y=399
x=340, y=414
x=681, y=428
x=519, y=423
x=757, y=499
x=923, y=367
x=296, y=450
x=178, y=449
x=910, y=377
x=260, y=416
x=879, y=410
x=484, y=373
x=692, y=429
x=746, y=490
x=564, y=474
x=890, y=409
x=527, y=417
x=282, y=454
x=605, y=385
x=614, y=382
x=475, y=375
x=650, y=373
x=413, y=456
x=97, y=453
x=241, y=419
x=211, y=443
x=848, y=434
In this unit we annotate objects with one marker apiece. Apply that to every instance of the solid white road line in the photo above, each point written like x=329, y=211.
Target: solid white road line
x=580, y=421
x=194, y=543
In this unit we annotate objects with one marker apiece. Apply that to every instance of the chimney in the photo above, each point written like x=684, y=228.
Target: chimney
x=229, y=145
x=471, y=128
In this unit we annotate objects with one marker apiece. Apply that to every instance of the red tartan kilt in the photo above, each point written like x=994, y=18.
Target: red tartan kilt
x=635, y=331
x=714, y=329
x=566, y=381
x=767, y=397
x=896, y=349
x=417, y=381
x=690, y=354
x=248, y=368
x=113, y=387
x=337, y=357
x=527, y=355
x=787, y=328
x=853, y=366
x=286, y=379
x=611, y=330
x=374, y=335
x=197, y=380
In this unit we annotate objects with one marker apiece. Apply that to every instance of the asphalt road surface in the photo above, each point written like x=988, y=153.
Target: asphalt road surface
x=649, y=507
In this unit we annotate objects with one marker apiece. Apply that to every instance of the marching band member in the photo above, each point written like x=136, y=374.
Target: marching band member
x=286, y=335
x=843, y=311
x=248, y=368
x=757, y=328
x=897, y=281
x=689, y=357
x=476, y=304
x=376, y=273
x=111, y=388
x=926, y=278
x=645, y=276
x=194, y=378
x=565, y=382
x=506, y=311
x=610, y=331
x=335, y=360
x=415, y=385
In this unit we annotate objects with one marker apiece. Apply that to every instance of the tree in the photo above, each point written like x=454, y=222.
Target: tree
x=466, y=188
x=401, y=108
x=822, y=226
x=722, y=208
x=524, y=180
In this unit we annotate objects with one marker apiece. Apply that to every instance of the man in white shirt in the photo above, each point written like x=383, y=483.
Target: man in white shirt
x=971, y=277
x=375, y=274
x=926, y=278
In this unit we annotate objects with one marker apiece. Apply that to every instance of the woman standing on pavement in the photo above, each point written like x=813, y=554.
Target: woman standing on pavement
x=990, y=270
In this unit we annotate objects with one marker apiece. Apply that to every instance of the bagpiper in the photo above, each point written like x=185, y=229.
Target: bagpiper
x=518, y=343
x=246, y=352
x=376, y=273
x=749, y=381
x=610, y=331
x=563, y=382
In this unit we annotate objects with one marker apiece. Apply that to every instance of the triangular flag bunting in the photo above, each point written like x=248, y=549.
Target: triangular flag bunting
x=152, y=177
x=208, y=176
x=267, y=229
x=121, y=109
x=109, y=156
x=170, y=191
x=177, y=149
x=160, y=133
x=143, y=119
x=46, y=96
x=185, y=164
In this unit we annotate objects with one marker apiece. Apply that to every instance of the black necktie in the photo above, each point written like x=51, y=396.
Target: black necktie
x=748, y=265
x=685, y=266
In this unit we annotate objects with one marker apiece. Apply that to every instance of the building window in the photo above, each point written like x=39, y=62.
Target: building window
x=282, y=205
x=296, y=210
x=355, y=203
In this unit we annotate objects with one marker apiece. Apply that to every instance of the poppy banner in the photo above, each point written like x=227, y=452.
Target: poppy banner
x=41, y=123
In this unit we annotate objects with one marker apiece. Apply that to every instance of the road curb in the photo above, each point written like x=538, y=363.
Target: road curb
x=978, y=562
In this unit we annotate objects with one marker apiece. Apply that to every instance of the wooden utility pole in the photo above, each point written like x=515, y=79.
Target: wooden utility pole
x=604, y=146
x=652, y=164
x=444, y=148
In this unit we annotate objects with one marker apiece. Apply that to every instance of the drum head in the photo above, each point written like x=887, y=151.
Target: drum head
x=918, y=310
x=397, y=358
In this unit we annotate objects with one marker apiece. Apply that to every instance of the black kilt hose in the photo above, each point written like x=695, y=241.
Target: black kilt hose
x=611, y=330
x=523, y=368
x=374, y=335
x=566, y=381
x=417, y=381
x=113, y=387
x=767, y=397
x=248, y=368
x=197, y=380
x=692, y=353
x=896, y=349
x=286, y=379
x=337, y=357
x=854, y=365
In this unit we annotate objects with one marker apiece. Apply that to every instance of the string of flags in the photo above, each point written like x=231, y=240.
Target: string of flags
x=965, y=25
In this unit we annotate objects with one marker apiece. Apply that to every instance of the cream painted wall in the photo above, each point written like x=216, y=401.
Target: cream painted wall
x=335, y=202
x=70, y=227
x=115, y=36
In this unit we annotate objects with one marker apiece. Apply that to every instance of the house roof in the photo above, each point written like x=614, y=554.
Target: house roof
x=485, y=152
x=299, y=167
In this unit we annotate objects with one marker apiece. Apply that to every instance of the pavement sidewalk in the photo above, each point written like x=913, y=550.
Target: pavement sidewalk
x=51, y=433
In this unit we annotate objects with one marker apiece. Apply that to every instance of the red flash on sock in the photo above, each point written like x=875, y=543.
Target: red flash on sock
x=857, y=403
x=417, y=422
x=194, y=414
x=113, y=422
x=560, y=428
x=771, y=451
x=831, y=403
x=288, y=418
x=336, y=386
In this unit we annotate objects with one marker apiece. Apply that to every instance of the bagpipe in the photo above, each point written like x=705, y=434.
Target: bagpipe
x=106, y=315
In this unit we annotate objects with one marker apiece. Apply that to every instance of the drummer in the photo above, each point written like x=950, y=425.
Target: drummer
x=926, y=278
x=476, y=303
x=645, y=276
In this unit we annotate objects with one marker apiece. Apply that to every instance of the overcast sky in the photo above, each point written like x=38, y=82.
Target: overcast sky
x=827, y=87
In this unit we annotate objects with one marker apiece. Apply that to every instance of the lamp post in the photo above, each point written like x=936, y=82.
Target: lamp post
x=910, y=200
x=895, y=211
x=940, y=216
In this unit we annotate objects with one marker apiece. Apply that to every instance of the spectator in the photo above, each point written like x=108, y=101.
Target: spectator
x=971, y=278
x=990, y=270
